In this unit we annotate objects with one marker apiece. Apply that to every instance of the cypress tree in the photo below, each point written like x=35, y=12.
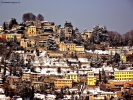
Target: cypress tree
x=99, y=76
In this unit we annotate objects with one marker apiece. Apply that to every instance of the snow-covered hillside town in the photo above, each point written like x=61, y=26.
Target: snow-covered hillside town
x=40, y=60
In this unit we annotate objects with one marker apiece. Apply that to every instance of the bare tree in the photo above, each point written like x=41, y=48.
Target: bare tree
x=28, y=17
x=40, y=17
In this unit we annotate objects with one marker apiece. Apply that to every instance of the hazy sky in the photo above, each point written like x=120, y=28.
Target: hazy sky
x=116, y=15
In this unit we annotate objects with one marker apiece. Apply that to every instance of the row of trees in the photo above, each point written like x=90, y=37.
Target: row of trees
x=117, y=39
x=31, y=16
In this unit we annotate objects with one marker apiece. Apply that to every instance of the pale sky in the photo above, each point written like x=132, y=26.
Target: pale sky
x=116, y=15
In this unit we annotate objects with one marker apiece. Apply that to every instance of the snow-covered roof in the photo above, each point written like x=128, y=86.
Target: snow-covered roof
x=44, y=21
x=124, y=71
x=83, y=59
x=26, y=71
x=96, y=91
x=79, y=46
x=72, y=60
x=64, y=79
x=50, y=71
x=71, y=73
x=108, y=69
x=32, y=26
x=20, y=51
x=96, y=70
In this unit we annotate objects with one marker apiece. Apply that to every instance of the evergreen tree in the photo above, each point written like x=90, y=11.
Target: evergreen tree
x=6, y=92
x=62, y=36
x=59, y=70
x=15, y=39
x=104, y=76
x=12, y=22
x=99, y=76
x=10, y=70
x=4, y=26
x=5, y=68
x=102, y=47
x=79, y=39
x=32, y=93
x=0, y=67
x=37, y=52
x=116, y=58
x=14, y=71
x=51, y=44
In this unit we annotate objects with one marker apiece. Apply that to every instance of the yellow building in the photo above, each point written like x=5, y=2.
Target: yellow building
x=72, y=76
x=57, y=40
x=67, y=31
x=55, y=28
x=18, y=36
x=27, y=43
x=91, y=79
x=123, y=58
x=88, y=33
x=0, y=35
x=32, y=42
x=79, y=48
x=67, y=46
x=38, y=85
x=59, y=83
x=84, y=36
x=12, y=79
x=31, y=31
x=123, y=75
x=24, y=43
x=26, y=77
x=34, y=77
x=9, y=36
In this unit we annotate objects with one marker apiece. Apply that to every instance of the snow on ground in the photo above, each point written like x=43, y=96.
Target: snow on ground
x=50, y=71
x=98, y=51
x=39, y=96
x=2, y=96
x=67, y=97
x=96, y=70
x=96, y=91
x=1, y=90
x=50, y=97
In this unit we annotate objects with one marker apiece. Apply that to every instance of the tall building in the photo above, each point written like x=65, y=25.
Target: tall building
x=31, y=31
x=91, y=79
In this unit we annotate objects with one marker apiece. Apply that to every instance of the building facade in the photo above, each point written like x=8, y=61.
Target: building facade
x=59, y=83
x=26, y=77
x=123, y=75
x=67, y=46
x=72, y=76
x=31, y=31
x=91, y=79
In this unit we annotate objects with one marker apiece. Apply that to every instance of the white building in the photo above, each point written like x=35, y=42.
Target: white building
x=1, y=28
